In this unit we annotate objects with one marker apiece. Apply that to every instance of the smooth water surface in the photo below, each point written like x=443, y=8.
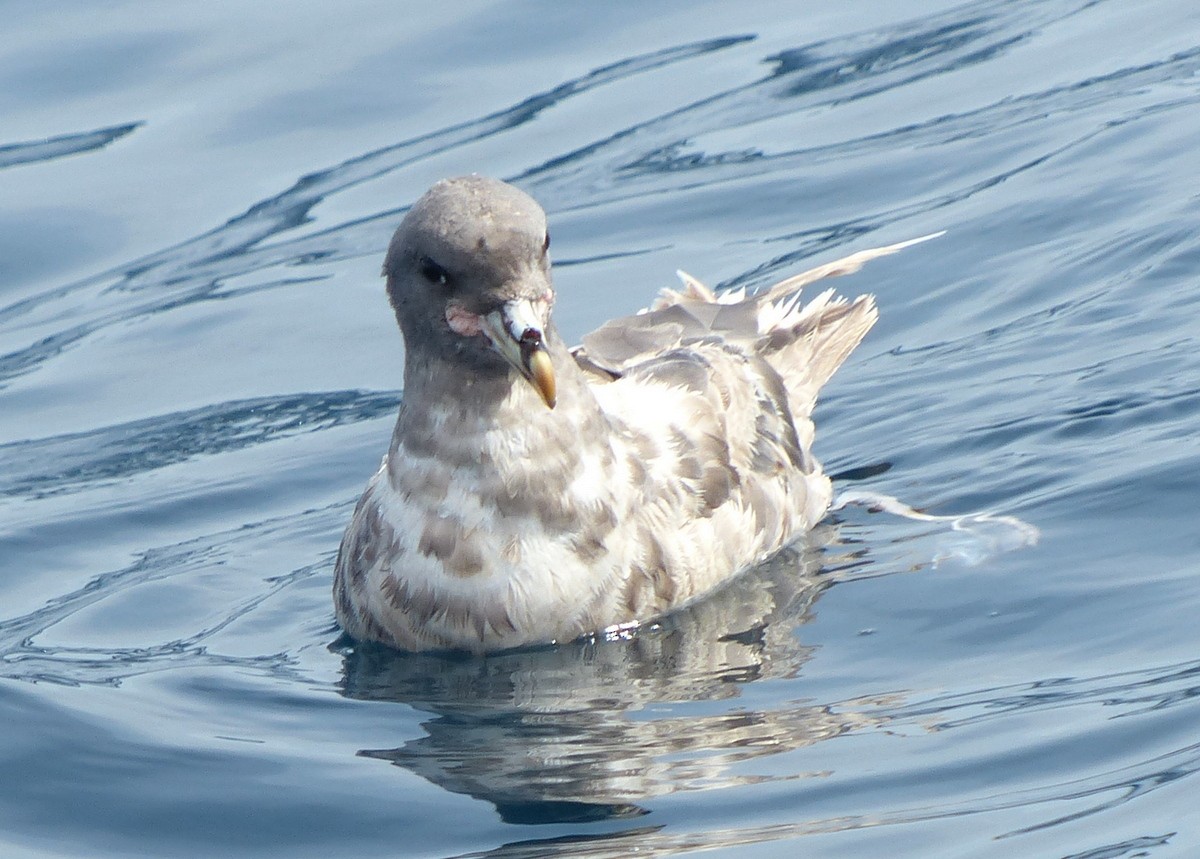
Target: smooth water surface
x=199, y=371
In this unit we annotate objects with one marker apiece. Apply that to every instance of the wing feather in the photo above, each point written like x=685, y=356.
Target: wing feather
x=770, y=320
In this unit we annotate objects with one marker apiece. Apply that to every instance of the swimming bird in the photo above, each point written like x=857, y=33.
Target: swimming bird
x=534, y=493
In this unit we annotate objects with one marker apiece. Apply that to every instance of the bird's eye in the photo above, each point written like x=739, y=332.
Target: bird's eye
x=432, y=272
x=546, y=243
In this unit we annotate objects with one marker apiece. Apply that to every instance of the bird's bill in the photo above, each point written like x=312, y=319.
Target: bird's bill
x=517, y=332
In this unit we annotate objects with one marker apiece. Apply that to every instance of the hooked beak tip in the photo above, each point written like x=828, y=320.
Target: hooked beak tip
x=517, y=332
x=541, y=374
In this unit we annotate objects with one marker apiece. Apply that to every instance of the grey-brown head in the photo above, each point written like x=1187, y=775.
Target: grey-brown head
x=468, y=274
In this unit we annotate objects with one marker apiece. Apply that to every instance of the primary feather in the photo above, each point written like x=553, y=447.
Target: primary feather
x=677, y=452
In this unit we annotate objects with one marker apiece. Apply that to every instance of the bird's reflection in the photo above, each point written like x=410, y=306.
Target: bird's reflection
x=587, y=730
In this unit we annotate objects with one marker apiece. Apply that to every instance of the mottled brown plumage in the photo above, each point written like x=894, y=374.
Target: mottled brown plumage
x=534, y=494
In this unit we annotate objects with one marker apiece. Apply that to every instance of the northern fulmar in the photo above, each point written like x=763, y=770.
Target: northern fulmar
x=534, y=493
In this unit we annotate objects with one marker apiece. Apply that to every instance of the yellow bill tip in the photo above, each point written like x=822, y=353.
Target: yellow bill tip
x=541, y=374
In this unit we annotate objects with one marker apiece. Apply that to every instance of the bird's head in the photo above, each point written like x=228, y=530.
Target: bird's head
x=468, y=274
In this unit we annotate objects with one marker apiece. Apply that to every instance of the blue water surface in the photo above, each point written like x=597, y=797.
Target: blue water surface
x=199, y=371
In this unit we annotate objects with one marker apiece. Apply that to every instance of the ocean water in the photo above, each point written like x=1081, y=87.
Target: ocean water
x=199, y=371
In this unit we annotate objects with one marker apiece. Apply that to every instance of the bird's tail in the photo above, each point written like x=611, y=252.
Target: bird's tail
x=809, y=342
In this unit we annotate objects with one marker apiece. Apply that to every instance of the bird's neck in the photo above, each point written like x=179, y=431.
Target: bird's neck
x=471, y=417
x=472, y=390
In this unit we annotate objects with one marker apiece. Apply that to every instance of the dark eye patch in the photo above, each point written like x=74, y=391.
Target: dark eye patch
x=432, y=272
x=546, y=243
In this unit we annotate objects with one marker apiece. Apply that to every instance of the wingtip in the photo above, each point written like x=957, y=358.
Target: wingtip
x=910, y=242
x=846, y=265
x=887, y=250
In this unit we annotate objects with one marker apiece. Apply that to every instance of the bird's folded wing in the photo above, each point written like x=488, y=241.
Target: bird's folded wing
x=696, y=311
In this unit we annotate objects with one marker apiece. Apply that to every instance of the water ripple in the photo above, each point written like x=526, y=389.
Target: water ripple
x=34, y=151
x=68, y=463
x=22, y=657
x=1132, y=693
